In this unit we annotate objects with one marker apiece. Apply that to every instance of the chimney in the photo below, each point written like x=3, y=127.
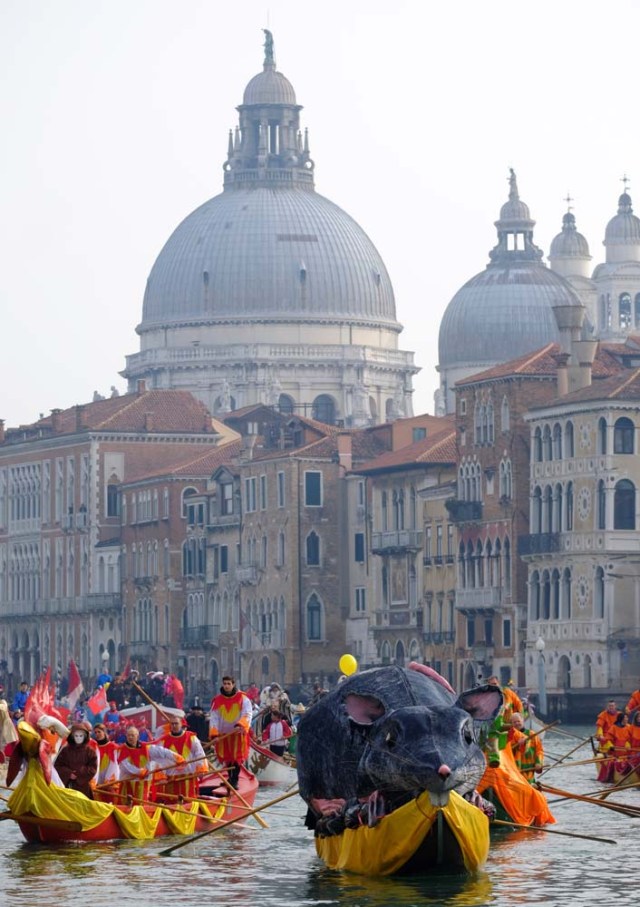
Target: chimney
x=55, y=421
x=142, y=386
x=569, y=319
x=1, y=431
x=148, y=421
x=81, y=419
x=562, y=373
x=345, y=452
x=584, y=351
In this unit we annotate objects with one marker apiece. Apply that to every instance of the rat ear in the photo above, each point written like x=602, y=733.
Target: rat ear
x=363, y=709
x=482, y=703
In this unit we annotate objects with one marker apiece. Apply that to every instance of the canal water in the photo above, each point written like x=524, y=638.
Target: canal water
x=254, y=867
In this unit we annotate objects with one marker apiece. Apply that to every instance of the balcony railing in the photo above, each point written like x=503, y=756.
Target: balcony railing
x=539, y=543
x=247, y=574
x=141, y=648
x=464, y=511
x=205, y=635
x=482, y=652
x=482, y=599
x=103, y=601
x=398, y=540
x=439, y=638
x=223, y=521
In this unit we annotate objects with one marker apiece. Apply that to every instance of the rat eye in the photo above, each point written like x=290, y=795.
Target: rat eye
x=390, y=740
x=467, y=733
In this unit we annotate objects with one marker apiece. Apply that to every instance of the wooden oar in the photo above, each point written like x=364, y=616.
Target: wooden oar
x=169, y=850
x=558, y=730
x=151, y=701
x=595, y=793
x=618, y=785
x=594, y=760
x=549, y=831
x=61, y=824
x=566, y=756
x=593, y=801
x=232, y=790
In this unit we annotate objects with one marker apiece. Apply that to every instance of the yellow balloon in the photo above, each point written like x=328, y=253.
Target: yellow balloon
x=348, y=665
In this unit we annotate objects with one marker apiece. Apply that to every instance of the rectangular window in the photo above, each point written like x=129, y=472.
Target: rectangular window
x=361, y=498
x=450, y=541
x=419, y=434
x=250, y=488
x=506, y=633
x=488, y=632
x=359, y=548
x=226, y=499
x=361, y=599
x=427, y=544
x=224, y=559
x=281, y=496
x=263, y=492
x=471, y=632
x=439, y=542
x=313, y=489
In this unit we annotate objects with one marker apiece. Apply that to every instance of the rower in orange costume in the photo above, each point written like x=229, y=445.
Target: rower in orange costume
x=230, y=719
x=181, y=782
x=136, y=761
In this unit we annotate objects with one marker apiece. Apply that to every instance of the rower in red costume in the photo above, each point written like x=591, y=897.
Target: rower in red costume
x=230, y=720
x=108, y=767
x=136, y=761
x=181, y=782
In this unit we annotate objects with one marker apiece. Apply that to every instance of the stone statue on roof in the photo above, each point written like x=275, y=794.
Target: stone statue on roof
x=268, y=46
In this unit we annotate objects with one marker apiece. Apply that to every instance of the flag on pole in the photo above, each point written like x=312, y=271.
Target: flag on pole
x=75, y=689
x=126, y=671
x=98, y=701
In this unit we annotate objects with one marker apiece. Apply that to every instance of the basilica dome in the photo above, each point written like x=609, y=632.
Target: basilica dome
x=507, y=309
x=569, y=243
x=264, y=253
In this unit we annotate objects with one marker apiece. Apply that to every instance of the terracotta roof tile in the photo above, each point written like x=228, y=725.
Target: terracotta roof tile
x=437, y=448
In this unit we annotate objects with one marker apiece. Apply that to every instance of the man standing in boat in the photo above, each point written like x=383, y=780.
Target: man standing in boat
x=136, y=762
x=230, y=721
x=181, y=782
x=108, y=768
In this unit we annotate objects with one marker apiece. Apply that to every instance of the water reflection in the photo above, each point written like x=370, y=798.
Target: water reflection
x=326, y=887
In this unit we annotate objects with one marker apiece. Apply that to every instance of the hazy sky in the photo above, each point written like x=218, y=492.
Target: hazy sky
x=115, y=116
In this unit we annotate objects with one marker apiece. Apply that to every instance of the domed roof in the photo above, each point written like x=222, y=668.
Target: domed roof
x=501, y=313
x=625, y=226
x=268, y=253
x=269, y=87
x=569, y=243
x=507, y=309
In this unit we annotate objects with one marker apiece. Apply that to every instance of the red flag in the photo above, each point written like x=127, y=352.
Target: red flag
x=75, y=688
x=126, y=671
x=41, y=701
x=178, y=692
x=98, y=702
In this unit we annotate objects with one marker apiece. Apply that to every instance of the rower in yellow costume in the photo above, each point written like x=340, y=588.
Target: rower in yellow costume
x=230, y=720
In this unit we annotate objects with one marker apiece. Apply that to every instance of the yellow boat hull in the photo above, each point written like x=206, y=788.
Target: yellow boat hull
x=416, y=838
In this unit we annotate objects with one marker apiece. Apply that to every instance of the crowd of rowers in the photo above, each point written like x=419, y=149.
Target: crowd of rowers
x=618, y=738
x=119, y=762
x=508, y=729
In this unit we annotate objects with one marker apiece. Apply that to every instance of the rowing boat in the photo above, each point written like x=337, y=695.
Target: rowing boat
x=415, y=838
x=270, y=770
x=512, y=795
x=67, y=815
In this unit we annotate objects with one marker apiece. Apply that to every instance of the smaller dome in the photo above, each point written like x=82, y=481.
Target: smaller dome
x=269, y=87
x=514, y=211
x=625, y=226
x=569, y=243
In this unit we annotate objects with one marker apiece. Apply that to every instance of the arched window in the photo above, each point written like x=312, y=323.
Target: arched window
x=547, y=510
x=186, y=494
x=555, y=595
x=565, y=595
x=569, y=496
x=534, y=596
x=286, y=404
x=602, y=436
x=624, y=311
x=324, y=409
x=462, y=567
x=557, y=441
x=505, y=418
x=546, y=595
x=113, y=505
x=313, y=550
x=568, y=440
x=536, y=511
x=314, y=618
x=557, y=509
x=624, y=505
x=547, y=449
x=598, y=594
x=601, y=506
x=537, y=445
x=385, y=512
x=623, y=435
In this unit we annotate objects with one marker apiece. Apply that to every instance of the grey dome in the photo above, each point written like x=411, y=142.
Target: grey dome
x=269, y=87
x=262, y=253
x=625, y=226
x=569, y=243
x=502, y=313
x=507, y=309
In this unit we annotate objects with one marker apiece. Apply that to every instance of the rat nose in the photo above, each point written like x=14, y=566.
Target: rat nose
x=444, y=771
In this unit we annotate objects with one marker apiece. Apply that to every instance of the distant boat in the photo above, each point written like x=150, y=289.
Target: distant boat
x=269, y=769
